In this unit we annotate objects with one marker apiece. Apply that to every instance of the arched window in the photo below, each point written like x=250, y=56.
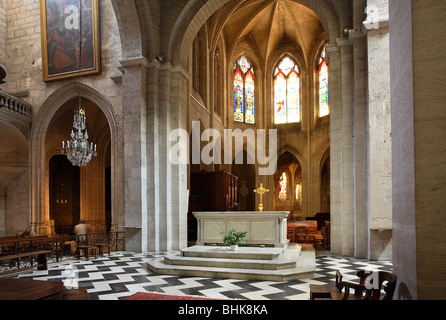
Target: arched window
x=283, y=186
x=286, y=92
x=324, y=107
x=244, y=91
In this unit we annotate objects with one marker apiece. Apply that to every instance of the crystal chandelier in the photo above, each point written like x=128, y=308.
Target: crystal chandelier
x=78, y=150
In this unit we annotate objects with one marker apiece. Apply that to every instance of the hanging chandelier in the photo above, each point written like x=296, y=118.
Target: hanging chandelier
x=78, y=150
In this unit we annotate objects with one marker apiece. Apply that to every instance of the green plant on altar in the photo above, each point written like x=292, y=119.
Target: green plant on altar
x=234, y=237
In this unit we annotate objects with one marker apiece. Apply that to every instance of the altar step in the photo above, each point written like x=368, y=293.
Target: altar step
x=271, y=264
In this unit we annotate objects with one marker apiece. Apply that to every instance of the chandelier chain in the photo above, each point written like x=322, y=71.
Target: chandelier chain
x=79, y=151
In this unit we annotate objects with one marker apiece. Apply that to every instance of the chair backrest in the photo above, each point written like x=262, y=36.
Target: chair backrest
x=386, y=281
x=301, y=230
x=338, y=277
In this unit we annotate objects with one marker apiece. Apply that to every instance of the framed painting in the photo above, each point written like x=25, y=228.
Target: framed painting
x=63, y=24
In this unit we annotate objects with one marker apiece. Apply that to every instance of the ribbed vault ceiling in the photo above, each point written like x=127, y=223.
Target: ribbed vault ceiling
x=269, y=22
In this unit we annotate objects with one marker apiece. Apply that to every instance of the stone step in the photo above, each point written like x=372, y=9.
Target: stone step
x=303, y=268
x=222, y=252
x=234, y=260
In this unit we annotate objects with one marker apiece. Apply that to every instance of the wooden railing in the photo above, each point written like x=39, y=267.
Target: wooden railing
x=61, y=247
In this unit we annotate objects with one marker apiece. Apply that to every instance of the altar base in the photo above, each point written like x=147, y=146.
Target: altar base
x=265, y=228
x=248, y=263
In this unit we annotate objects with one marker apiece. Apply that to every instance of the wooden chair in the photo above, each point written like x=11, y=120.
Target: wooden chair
x=291, y=235
x=315, y=239
x=386, y=281
x=323, y=291
x=324, y=235
x=360, y=292
x=88, y=250
x=301, y=234
x=327, y=234
x=404, y=292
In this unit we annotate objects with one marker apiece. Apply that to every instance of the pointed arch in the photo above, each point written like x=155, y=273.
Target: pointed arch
x=323, y=85
x=287, y=92
x=244, y=91
x=51, y=109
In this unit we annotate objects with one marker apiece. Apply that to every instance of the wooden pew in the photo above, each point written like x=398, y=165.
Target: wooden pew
x=41, y=258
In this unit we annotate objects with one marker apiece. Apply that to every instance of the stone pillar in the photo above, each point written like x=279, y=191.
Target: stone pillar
x=341, y=147
x=360, y=137
x=3, y=32
x=336, y=203
x=154, y=191
x=379, y=132
x=347, y=148
x=178, y=180
x=167, y=199
x=417, y=55
x=135, y=153
x=2, y=211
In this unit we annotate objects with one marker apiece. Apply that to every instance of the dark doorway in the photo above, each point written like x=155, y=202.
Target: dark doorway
x=64, y=194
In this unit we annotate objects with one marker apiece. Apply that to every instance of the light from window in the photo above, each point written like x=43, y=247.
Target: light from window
x=283, y=187
x=324, y=107
x=286, y=92
x=244, y=88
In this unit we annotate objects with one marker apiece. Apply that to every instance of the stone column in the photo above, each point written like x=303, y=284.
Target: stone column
x=2, y=211
x=3, y=32
x=341, y=147
x=167, y=201
x=417, y=55
x=379, y=132
x=361, y=195
x=154, y=177
x=347, y=148
x=135, y=153
x=336, y=203
x=178, y=180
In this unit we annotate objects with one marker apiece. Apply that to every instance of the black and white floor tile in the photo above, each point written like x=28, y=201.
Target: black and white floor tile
x=122, y=274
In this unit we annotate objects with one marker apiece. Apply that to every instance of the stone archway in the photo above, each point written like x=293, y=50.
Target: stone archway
x=14, y=181
x=46, y=141
x=180, y=43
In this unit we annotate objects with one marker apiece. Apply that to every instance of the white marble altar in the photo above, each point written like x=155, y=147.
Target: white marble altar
x=268, y=228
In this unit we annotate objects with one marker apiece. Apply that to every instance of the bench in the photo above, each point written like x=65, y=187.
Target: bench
x=86, y=249
x=41, y=258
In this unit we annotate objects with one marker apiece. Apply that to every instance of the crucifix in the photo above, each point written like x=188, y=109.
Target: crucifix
x=261, y=191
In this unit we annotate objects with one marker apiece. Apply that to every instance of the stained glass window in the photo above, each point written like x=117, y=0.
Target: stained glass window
x=283, y=186
x=244, y=88
x=286, y=92
x=324, y=107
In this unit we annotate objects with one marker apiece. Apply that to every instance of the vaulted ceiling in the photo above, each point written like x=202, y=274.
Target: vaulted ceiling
x=267, y=23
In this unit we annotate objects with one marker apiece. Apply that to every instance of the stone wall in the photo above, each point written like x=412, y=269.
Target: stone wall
x=3, y=26
x=23, y=54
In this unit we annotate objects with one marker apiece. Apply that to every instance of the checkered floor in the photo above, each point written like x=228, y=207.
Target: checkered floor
x=122, y=274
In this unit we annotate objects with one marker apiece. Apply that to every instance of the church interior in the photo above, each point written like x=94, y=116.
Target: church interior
x=118, y=113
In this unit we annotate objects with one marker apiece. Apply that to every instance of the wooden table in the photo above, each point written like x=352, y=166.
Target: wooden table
x=24, y=289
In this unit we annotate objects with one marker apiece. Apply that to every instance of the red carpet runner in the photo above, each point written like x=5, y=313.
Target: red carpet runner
x=162, y=296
